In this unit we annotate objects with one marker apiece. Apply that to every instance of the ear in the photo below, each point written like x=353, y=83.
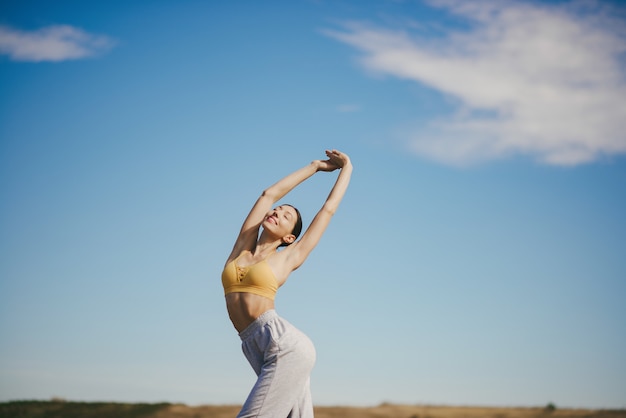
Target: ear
x=289, y=239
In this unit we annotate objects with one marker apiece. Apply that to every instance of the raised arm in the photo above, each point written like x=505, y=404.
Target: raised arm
x=250, y=229
x=299, y=251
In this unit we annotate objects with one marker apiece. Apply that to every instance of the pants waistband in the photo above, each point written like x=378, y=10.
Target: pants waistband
x=263, y=319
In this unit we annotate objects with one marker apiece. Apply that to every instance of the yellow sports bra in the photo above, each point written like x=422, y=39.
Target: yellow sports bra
x=257, y=278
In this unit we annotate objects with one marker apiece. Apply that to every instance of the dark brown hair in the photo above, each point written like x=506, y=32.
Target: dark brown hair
x=297, y=228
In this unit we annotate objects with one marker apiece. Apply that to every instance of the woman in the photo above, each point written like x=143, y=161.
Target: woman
x=280, y=354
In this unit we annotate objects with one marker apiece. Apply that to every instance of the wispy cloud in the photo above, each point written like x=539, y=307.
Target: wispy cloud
x=348, y=108
x=52, y=43
x=544, y=81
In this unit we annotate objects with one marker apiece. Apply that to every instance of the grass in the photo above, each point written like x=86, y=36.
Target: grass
x=64, y=409
x=67, y=409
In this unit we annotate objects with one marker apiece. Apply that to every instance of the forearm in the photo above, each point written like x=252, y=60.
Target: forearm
x=339, y=189
x=279, y=189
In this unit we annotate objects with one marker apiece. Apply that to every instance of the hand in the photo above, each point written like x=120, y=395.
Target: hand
x=336, y=159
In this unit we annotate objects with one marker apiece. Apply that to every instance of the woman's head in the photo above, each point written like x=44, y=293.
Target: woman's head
x=284, y=222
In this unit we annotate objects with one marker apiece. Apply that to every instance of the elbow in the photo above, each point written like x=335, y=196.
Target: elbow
x=270, y=194
x=329, y=209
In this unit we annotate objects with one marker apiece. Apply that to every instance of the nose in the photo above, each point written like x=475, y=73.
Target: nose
x=273, y=213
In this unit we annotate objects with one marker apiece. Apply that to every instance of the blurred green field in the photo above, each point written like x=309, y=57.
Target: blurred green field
x=64, y=409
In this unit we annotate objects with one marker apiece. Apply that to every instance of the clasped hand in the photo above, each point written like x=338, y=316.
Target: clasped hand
x=336, y=159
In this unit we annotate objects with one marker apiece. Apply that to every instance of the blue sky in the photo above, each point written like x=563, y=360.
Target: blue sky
x=478, y=257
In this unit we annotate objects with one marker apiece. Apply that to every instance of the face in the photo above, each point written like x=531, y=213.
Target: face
x=280, y=220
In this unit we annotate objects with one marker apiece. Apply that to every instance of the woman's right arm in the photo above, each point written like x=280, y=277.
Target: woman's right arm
x=249, y=232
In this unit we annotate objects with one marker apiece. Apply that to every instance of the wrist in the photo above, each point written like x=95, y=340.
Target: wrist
x=316, y=164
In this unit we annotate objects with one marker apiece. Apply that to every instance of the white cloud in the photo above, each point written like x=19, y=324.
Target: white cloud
x=52, y=43
x=544, y=81
x=348, y=108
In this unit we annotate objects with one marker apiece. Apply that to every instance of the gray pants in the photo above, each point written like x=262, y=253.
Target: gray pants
x=282, y=357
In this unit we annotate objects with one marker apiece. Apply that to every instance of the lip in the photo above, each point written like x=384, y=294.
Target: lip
x=272, y=219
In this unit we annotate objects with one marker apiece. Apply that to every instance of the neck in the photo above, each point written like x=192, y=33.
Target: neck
x=263, y=249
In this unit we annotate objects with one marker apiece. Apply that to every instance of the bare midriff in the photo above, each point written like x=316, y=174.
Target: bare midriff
x=245, y=308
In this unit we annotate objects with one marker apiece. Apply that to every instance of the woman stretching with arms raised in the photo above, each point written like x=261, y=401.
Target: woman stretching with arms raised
x=281, y=355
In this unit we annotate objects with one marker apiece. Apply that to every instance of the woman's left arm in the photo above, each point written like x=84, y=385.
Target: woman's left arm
x=299, y=251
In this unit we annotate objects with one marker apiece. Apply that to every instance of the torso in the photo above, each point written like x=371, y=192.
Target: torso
x=244, y=308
